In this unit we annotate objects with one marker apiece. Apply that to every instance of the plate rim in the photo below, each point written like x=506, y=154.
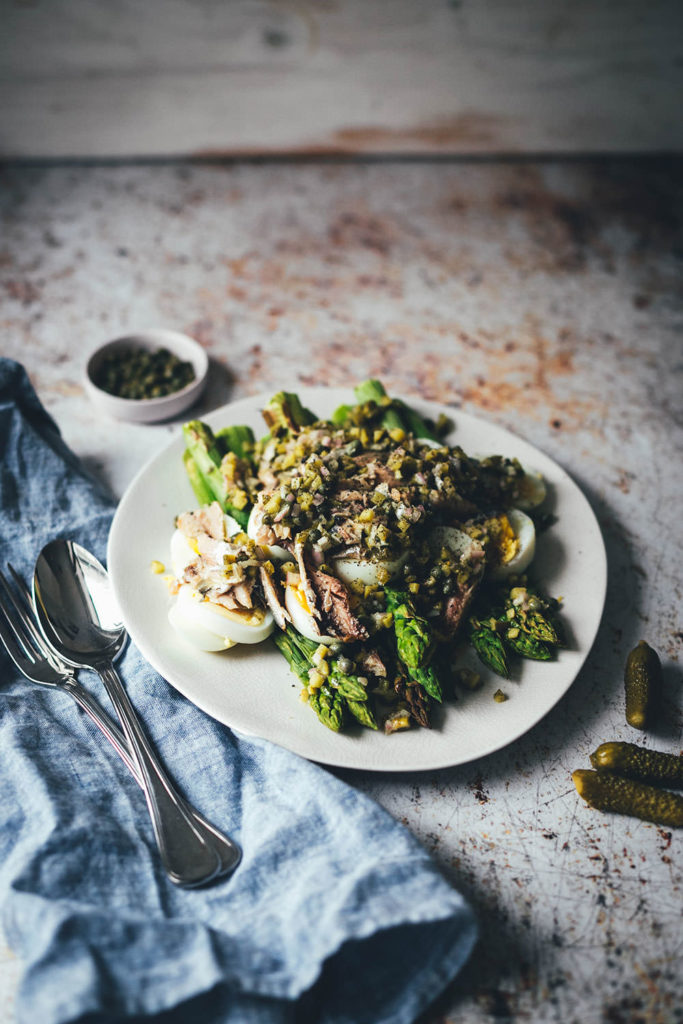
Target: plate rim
x=336, y=394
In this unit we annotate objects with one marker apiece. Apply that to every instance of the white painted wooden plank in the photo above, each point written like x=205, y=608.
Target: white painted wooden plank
x=114, y=78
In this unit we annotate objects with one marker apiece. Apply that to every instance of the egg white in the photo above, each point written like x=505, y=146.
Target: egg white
x=457, y=541
x=531, y=488
x=232, y=527
x=525, y=532
x=532, y=491
x=302, y=619
x=195, y=634
x=369, y=573
x=280, y=554
x=183, y=552
x=196, y=617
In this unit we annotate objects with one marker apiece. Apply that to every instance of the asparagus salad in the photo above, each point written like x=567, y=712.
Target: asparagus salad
x=369, y=550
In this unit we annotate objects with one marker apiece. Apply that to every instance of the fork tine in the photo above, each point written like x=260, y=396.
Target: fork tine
x=24, y=609
x=9, y=639
x=21, y=587
x=21, y=635
x=39, y=648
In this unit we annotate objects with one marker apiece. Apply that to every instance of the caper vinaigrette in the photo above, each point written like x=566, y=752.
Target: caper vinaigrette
x=140, y=373
x=380, y=491
x=388, y=546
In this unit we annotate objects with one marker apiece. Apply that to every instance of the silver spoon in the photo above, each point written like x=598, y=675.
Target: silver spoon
x=79, y=617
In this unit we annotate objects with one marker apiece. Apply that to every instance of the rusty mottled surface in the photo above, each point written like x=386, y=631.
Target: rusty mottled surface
x=545, y=297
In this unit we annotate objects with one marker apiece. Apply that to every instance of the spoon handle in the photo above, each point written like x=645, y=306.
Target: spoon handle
x=186, y=844
x=226, y=849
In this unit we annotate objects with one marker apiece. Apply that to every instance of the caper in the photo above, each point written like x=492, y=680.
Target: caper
x=140, y=373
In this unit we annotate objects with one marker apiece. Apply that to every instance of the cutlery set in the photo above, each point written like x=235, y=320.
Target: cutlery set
x=71, y=621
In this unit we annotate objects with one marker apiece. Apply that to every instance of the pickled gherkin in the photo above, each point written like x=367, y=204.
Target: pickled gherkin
x=642, y=685
x=634, y=762
x=607, y=792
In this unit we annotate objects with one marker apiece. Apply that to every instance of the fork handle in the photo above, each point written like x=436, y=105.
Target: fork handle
x=103, y=722
x=185, y=845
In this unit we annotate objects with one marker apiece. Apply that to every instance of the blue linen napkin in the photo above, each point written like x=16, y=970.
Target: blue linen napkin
x=336, y=913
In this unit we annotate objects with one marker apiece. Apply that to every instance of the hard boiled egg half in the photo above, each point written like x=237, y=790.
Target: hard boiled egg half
x=206, y=624
x=369, y=572
x=512, y=544
x=300, y=613
x=211, y=627
x=349, y=570
x=531, y=490
x=254, y=526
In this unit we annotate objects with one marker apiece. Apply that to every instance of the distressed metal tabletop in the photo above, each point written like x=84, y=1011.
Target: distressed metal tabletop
x=543, y=296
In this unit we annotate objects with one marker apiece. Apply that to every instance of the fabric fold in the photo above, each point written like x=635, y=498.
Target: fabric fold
x=336, y=913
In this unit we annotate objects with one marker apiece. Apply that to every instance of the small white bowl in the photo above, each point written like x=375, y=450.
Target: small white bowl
x=149, y=410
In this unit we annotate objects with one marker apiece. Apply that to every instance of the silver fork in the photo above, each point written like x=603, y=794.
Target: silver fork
x=27, y=649
x=31, y=654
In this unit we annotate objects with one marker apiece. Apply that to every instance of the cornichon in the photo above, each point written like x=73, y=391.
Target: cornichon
x=634, y=762
x=607, y=792
x=642, y=685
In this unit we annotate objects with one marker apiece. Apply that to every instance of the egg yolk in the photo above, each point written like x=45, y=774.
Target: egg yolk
x=503, y=538
x=298, y=593
x=253, y=617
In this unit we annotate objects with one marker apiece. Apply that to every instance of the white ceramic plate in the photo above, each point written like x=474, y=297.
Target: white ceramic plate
x=251, y=689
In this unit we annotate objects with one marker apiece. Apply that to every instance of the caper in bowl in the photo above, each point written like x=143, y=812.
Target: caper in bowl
x=148, y=376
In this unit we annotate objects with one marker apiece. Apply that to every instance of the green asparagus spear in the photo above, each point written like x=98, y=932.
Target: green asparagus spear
x=414, y=641
x=297, y=661
x=526, y=630
x=205, y=451
x=285, y=412
x=397, y=414
x=489, y=647
x=304, y=646
x=340, y=415
x=428, y=679
x=361, y=710
x=348, y=686
x=413, y=696
x=238, y=439
x=542, y=629
x=351, y=693
x=535, y=615
x=370, y=391
x=201, y=444
x=202, y=492
x=328, y=705
x=527, y=645
x=414, y=423
x=373, y=391
x=413, y=634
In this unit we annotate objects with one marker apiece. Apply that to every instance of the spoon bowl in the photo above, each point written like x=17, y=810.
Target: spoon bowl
x=76, y=606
